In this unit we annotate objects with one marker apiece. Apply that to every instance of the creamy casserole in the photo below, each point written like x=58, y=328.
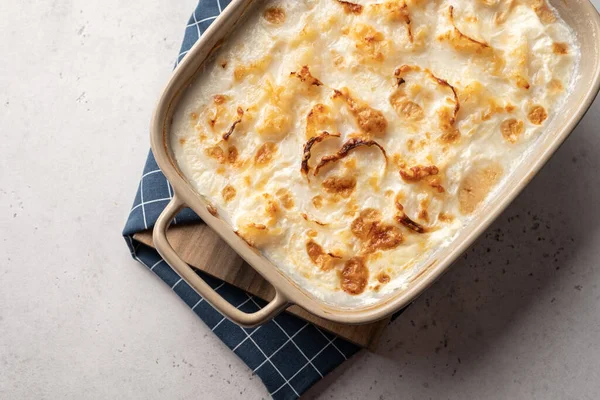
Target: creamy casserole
x=348, y=142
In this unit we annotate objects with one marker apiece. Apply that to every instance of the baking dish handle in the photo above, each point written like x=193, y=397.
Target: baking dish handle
x=164, y=248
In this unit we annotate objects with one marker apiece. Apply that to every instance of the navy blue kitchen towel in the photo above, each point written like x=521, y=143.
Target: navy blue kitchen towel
x=288, y=354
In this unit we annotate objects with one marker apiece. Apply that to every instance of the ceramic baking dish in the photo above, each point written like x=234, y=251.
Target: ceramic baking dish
x=579, y=14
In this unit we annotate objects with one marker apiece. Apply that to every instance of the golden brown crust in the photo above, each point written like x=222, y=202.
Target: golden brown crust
x=445, y=217
x=219, y=99
x=265, y=153
x=318, y=118
x=345, y=150
x=370, y=120
x=242, y=71
x=285, y=197
x=442, y=82
x=274, y=15
x=382, y=277
x=362, y=225
x=217, y=153
x=325, y=261
x=556, y=86
x=309, y=219
x=537, y=114
x=406, y=108
x=304, y=167
x=228, y=193
x=305, y=76
x=511, y=129
x=560, y=48
x=272, y=208
x=371, y=44
x=317, y=201
x=475, y=187
x=351, y=8
x=397, y=11
x=383, y=237
x=376, y=236
x=436, y=183
x=544, y=13
x=459, y=40
x=418, y=172
x=254, y=234
x=424, y=172
x=232, y=154
x=355, y=276
x=447, y=119
x=342, y=185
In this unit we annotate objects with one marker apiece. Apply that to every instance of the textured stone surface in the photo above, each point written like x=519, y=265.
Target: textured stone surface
x=516, y=317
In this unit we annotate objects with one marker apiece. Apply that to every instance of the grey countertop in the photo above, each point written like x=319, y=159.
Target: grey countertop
x=517, y=317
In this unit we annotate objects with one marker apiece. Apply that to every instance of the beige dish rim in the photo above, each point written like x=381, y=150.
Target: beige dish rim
x=583, y=19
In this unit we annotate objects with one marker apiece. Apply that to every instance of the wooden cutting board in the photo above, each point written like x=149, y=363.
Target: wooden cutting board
x=203, y=249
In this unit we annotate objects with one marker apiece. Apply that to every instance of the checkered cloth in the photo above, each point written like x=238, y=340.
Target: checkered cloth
x=288, y=354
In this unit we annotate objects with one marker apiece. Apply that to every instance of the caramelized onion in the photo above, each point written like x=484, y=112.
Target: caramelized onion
x=304, y=167
x=345, y=150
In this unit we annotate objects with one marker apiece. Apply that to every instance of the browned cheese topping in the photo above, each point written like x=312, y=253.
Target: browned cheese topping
x=375, y=235
x=537, y=115
x=351, y=8
x=543, y=11
x=275, y=15
x=228, y=193
x=476, y=185
x=419, y=172
x=342, y=185
x=396, y=11
x=560, y=48
x=371, y=121
x=354, y=276
x=305, y=76
x=324, y=260
x=317, y=119
x=407, y=108
x=285, y=197
x=289, y=132
x=460, y=41
x=382, y=277
x=222, y=156
x=511, y=129
x=265, y=153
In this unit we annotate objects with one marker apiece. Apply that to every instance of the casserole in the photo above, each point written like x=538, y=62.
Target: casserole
x=585, y=25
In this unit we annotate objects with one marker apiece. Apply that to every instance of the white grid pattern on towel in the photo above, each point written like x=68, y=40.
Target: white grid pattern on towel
x=248, y=336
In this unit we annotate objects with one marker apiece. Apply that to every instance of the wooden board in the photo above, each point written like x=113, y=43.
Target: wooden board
x=203, y=249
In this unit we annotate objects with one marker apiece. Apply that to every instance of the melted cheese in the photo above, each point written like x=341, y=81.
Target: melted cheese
x=351, y=141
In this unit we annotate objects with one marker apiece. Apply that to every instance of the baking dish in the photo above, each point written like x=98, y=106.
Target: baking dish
x=582, y=18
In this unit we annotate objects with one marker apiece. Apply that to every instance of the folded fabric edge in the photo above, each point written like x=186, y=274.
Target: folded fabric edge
x=288, y=354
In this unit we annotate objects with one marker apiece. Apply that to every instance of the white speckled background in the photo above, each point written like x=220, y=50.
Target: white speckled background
x=517, y=317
